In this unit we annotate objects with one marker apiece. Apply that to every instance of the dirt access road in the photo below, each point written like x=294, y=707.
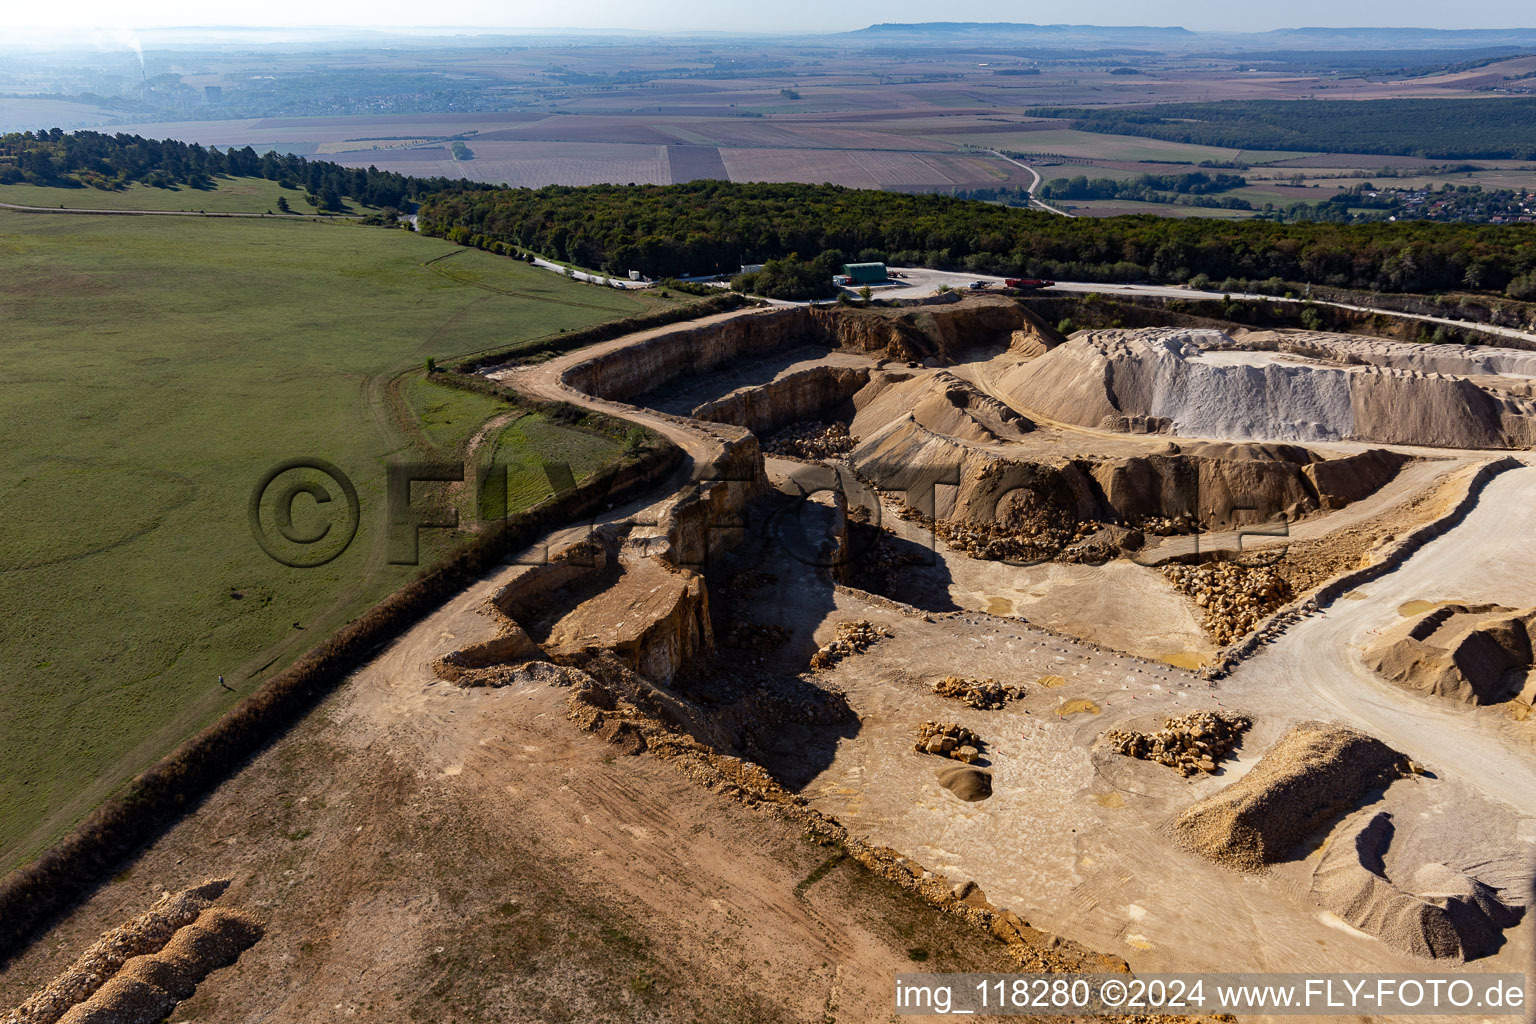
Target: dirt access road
x=1486, y=558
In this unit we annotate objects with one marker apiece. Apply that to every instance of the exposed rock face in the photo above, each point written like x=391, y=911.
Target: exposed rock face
x=904, y=334
x=636, y=368
x=512, y=645
x=805, y=394
x=1308, y=387
x=527, y=595
x=1436, y=912
x=1478, y=654
x=1311, y=774
x=1213, y=484
x=940, y=332
x=1219, y=484
x=705, y=520
x=653, y=619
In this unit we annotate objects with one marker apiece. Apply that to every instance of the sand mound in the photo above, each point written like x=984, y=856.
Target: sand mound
x=1440, y=912
x=1477, y=654
x=969, y=784
x=146, y=933
x=940, y=402
x=1203, y=383
x=1312, y=773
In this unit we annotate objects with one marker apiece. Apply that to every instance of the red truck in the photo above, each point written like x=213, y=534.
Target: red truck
x=1027, y=282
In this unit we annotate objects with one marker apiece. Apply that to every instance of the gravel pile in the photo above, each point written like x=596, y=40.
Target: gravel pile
x=949, y=739
x=982, y=694
x=147, y=933
x=1235, y=598
x=1312, y=773
x=149, y=987
x=1191, y=743
x=811, y=440
x=852, y=638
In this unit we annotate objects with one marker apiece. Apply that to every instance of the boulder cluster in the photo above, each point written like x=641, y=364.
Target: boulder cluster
x=1190, y=743
x=982, y=694
x=1235, y=598
x=852, y=638
x=948, y=739
x=811, y=440
x=1022, y=539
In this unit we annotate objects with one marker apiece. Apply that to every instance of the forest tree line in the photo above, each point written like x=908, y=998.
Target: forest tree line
x=112, y=162
x=1451, y=129
x=710, y=227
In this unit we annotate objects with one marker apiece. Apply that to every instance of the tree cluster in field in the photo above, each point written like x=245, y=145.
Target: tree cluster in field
x=112, y=162
x=715, y=227
x=1193, y=189
x=1503, y=129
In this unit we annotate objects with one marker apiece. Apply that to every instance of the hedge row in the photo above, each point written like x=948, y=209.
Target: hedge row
x=32, y=895
x=571, y=340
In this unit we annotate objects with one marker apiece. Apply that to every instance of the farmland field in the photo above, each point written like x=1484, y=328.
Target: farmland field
x=156, y=368
x=1068, y=142
x=528, y=163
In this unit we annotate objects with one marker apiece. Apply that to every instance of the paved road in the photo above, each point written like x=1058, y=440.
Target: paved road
x=582, y=275
x=1033, y=188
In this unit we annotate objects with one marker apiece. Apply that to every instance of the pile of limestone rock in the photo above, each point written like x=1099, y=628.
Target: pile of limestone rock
x=1190, y=743
x=852, y=638
x=811, y=440
x=1235, y=598
x=949, y=739
x=756, y=637
x=982, y=694
x=1017, y=540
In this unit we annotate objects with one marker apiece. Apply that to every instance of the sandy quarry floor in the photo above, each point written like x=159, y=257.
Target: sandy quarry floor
x=426, y=853
x=1073, y=837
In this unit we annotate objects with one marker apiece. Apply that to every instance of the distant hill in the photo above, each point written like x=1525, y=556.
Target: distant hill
x=1375, y=39
x=997, y=31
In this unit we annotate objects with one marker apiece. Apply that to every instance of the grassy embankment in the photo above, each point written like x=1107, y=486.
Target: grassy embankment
x=230, y=195
x=155, y=369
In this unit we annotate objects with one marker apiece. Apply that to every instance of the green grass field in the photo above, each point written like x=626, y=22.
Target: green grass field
x=155, y=369
x=233, y=195
x=526, y=444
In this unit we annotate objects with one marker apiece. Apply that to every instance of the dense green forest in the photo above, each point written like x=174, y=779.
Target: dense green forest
x=708, y=227
x=95, y=160
x=1502, y=129
x=1195, y=189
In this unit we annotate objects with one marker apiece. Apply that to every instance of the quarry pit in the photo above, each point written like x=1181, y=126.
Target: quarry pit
x=1129, y=526
x=1169, y=648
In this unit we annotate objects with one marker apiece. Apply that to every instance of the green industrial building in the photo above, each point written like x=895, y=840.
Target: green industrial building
x=865, y=273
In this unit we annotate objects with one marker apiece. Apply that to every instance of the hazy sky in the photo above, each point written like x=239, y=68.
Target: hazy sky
x=789, y=16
